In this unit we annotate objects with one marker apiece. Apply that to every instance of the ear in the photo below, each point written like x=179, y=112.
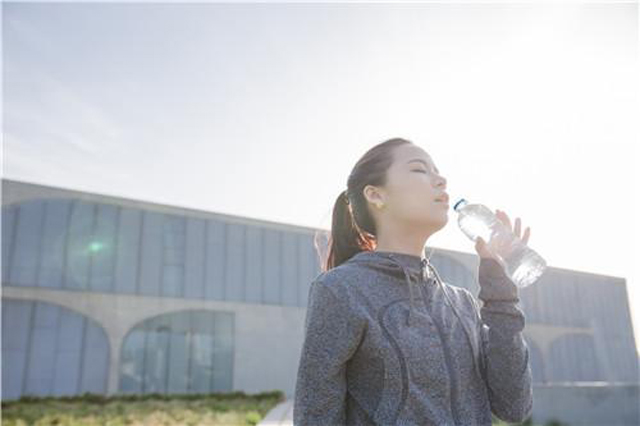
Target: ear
x=373, y=194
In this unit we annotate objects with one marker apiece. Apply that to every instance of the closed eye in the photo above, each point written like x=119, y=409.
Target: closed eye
x=424, y=171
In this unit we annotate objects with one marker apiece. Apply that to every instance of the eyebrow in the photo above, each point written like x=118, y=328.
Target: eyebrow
x=420, y=160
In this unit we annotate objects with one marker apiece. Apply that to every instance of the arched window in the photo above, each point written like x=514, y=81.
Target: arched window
x=49, y=350
x=180, y=352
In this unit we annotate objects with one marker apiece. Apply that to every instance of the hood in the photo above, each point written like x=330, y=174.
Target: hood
x=410, y=268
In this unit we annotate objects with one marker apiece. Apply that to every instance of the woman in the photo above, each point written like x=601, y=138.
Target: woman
x=386, y=341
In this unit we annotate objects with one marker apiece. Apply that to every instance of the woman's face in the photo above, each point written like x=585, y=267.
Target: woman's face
x=415, y=193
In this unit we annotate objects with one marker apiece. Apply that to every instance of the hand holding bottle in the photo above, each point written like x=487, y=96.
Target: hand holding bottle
x=495, y=239
x=481, y=245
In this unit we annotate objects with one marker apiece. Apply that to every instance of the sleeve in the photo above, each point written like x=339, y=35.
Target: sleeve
x=505, y=354
x=332, y=334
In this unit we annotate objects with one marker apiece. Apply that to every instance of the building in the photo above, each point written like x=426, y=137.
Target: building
x=105, y=294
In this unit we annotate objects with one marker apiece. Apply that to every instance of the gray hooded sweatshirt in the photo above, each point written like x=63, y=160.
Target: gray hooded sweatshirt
x=387, y=342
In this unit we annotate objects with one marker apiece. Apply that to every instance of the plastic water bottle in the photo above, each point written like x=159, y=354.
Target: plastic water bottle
x=520, y=263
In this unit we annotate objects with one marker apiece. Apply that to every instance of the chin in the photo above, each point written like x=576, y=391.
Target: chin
x=441, y=221
x=436, y=223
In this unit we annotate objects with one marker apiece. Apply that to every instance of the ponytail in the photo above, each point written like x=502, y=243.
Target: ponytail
x=346, y=238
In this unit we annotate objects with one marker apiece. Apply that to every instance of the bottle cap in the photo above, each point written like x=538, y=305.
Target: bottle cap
x=461, y=202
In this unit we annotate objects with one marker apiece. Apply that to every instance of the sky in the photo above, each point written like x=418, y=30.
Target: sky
x=262, y=109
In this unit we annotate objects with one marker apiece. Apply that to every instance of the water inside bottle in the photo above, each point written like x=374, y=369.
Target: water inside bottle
x=476, y=222
x=523, y=265
x=529, y=265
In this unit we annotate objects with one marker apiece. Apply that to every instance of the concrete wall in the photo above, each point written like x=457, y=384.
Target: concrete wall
x=267, y=339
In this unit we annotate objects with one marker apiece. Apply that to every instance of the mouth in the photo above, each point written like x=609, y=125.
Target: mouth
x=443, y=199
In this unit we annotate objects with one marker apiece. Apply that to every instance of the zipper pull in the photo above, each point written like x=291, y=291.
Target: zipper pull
x=423, y=270
x=428, y=273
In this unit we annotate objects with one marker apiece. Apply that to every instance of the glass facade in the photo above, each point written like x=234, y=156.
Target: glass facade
x=181, y=352
x=48, y=350
x=77, y=244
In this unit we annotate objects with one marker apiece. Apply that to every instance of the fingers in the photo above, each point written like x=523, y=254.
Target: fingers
x=504, y=218
x=517, y=226
x=481, y=248
x=508, y=221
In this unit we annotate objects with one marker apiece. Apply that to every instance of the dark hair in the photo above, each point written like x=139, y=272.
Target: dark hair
x=352, y=227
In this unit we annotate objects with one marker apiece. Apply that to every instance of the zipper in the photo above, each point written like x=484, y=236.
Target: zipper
x=452, y=384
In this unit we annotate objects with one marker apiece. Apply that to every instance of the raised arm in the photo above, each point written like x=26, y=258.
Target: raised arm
x=505, y=353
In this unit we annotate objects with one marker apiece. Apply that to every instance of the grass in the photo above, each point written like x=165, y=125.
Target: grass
x=528, y=422
x=215, y=409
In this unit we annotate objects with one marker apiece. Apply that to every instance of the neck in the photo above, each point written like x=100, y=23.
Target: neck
x=409, y=243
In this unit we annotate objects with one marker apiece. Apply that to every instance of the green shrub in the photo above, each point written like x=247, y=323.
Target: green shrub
x=220, y=408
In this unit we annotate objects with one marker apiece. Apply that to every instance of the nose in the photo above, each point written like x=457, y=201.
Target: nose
x=442, y=182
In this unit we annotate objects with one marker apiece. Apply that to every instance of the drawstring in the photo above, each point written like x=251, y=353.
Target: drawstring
x=410, y=317
x=407, y=277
